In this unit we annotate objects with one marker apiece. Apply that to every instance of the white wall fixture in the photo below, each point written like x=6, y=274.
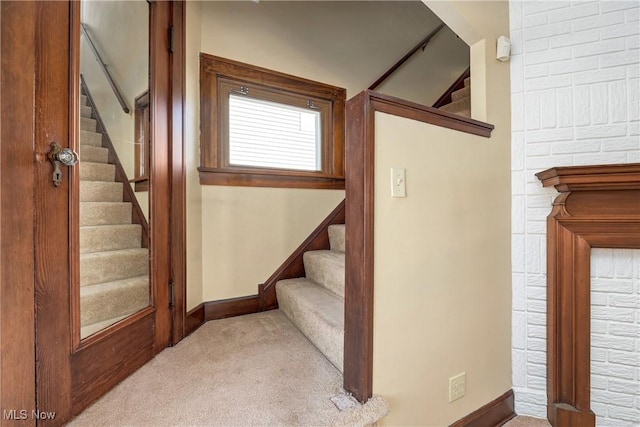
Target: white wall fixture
x=503, y=49
x=398, y=182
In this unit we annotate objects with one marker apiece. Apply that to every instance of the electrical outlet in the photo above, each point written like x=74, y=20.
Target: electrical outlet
x=457, y=386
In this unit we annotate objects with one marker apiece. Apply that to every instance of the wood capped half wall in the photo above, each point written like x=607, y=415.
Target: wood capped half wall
x=598, y=207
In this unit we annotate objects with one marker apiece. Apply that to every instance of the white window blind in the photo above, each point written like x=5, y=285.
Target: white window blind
x=272, y=135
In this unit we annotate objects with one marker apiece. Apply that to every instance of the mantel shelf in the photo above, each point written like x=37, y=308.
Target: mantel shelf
x=597, y=177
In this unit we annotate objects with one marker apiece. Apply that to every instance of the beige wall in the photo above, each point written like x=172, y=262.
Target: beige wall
x=239, y=236
x=248, y=232
x=347, y=44
x=442, y=254
x=120, y=31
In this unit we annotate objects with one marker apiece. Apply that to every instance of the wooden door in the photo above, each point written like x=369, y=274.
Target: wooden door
x=71, y=373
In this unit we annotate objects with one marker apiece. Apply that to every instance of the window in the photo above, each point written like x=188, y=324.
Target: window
x=268, y=129
x=142, y=148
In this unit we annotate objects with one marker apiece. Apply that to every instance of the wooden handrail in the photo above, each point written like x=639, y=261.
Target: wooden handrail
x=103, y=66
x=423, y=44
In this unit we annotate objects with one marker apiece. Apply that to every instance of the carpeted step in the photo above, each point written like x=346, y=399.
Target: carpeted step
x=86, y=111
x=104, y=301
x=90, y=138
x=89, y=153
x=467, y=81
x=317, y=313
x=465, y=92
x=109, y=237
x=457, y=106
x=87, y=124
x=98, y=267
x=105, y=213
x=337, y=237
x=90, y=171
x=83, y=99
x=98, y=191
x=326, y=268
x=85, y=331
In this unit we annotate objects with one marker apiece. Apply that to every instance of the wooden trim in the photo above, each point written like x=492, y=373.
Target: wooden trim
x=75, y=91
x=445, y=98
x=178, y=177
x=128, y=195
x=579, y=221
x=294, y=266
x=217, y=77
x=161, y=173
x=493, y=414
x=606, y=177
x=142, y=141
x=213, y=176
x=17, y=316
x=358, y=318
x=411, y=110
x=54, y=317
x=221, y=309
x=194, y=319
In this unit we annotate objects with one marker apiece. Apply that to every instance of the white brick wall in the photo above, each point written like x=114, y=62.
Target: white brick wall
x=615, y=337
x=575, y=73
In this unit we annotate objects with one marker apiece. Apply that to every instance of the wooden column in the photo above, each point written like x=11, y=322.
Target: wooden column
x=598, y=207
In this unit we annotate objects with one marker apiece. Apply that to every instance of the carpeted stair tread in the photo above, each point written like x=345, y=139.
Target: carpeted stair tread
x=90, y=138
x=86, y=111
x=457, y=106
x=83, y=100
x=465, y=92
x=337, y=237
x=109, y=237
x=317, y=313
x=104, y=301
x=90, y=171
x=326, y=268
x=98, y=191
x=88, y=124
x=467, y=81
x=90, y=153
x=91, y=329
x=105, y=213
x=97, y=267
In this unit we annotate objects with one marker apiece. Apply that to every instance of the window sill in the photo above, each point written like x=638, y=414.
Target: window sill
x=275, y=179
x=141, y=183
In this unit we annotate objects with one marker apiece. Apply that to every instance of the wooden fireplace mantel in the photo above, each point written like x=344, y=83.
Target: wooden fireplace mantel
x=598, y=206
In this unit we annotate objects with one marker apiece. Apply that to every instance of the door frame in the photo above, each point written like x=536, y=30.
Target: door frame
x=20, y=58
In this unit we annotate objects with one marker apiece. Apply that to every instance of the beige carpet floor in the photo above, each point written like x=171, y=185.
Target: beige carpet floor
x=522, y=421
x=244, y=371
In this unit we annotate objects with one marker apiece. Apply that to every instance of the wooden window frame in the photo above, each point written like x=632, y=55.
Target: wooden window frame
x=142, y=158
x=218, y=76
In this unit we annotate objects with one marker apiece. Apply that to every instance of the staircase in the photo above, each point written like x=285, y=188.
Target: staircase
x=315, y=303
x=460, y=101
x=114, y=268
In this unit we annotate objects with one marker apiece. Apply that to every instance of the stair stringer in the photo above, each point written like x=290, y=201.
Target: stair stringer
x=293, y=267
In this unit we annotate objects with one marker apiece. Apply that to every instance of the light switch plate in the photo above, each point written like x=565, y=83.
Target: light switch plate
x=398, y=182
